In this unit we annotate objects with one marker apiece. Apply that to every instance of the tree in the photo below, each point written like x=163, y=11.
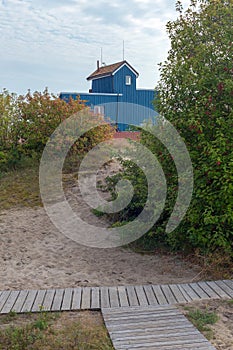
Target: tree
x=196, y=96
x=28, y=121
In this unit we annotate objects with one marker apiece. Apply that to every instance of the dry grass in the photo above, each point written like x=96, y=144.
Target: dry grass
x=49, y=331
x=20, y=188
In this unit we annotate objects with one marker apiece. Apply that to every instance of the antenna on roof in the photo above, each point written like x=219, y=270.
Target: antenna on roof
x=123, y=50
x=101, y=56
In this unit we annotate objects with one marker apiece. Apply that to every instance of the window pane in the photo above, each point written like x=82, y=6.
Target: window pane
x=128, y=80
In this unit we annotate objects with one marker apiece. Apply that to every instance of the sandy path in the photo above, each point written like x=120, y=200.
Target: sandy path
x=34, y=254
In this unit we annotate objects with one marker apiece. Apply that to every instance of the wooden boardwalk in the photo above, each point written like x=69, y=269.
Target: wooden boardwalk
x=152, y=327
x=96, y=298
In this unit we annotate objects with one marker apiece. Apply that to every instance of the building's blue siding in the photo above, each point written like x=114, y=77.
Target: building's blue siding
x=113, y=90
x=128, y=91
x=103, y=85
x=145, y=98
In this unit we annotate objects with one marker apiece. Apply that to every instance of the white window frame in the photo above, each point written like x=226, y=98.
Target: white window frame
x=99, y=110
x=128, y=80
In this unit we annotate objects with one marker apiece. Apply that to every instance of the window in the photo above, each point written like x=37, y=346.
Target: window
x=99, y=110
x=128, y=80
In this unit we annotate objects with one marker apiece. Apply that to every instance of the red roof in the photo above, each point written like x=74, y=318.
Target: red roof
x=109, y=70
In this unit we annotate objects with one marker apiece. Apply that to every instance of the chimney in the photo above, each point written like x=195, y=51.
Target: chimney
x=98, y=65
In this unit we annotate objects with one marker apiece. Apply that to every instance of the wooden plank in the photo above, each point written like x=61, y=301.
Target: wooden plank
x=168, y=294
x=202, y=294
x=37, y=305
x=95, y=298
x=141, y=296
x=48, y=300
x=218, y=290
x=20, y=300
x=142, y=324
x=27, y=305
x=186, y=296
x=229, y=283
x=123, y=298
x=3, y=298
x=150, y=295
x=132, y=296
x=127, y=331
x=177, y=293
x=180, y=344
x=67, y=300
x=113, y=297
x=140, y=330
x=142, y=309
x=77, y=298
x=192, y=294
x=159, y=295
x=86, y=298
x=129, y=317
x=57, y=301
x=225, y=287
x=10, y=302
x=135, y=338
x=208, y=290
x=104, y=297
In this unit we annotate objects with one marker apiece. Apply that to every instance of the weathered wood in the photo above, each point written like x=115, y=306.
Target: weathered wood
x=202, y=294
x=95, y=298
x=218, y=290
x=86, y=298
x=77, y=298
x=123, y=298
x=27, y=305
x=185, y=294
x=67, y=300
x=57, y=301
x=118, y=326
x=132, y=296
x=229, y=283
x=37, y=305
x=10, y=302
x=20, y=301
x=48, y=300
x=3, y=298
x=171, y=331
x=104, y=297
x=141, y=296
x=159, y=295
x=150, y=295
x=178, y=294
x=113, y=297
x=168, y=294
x=225, y=287
x=192, y=294
x=208, y=290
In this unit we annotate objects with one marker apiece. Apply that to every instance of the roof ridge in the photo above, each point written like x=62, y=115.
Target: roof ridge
x=109, y=69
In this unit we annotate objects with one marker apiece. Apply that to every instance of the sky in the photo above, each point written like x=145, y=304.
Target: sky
x=56, y=43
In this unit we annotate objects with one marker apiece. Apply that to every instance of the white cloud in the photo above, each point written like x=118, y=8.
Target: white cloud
x=56, y=43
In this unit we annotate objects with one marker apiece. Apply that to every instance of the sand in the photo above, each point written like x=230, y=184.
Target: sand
x=222, y=330
x=34, y=254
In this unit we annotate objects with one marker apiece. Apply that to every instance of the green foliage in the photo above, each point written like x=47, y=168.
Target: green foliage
x=196, y=95
x=201, y=319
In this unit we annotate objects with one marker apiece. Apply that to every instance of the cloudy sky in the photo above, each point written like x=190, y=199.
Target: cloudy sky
x=55, y=43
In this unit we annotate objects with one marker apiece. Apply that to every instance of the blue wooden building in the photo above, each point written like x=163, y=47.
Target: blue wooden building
x=114, y=94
